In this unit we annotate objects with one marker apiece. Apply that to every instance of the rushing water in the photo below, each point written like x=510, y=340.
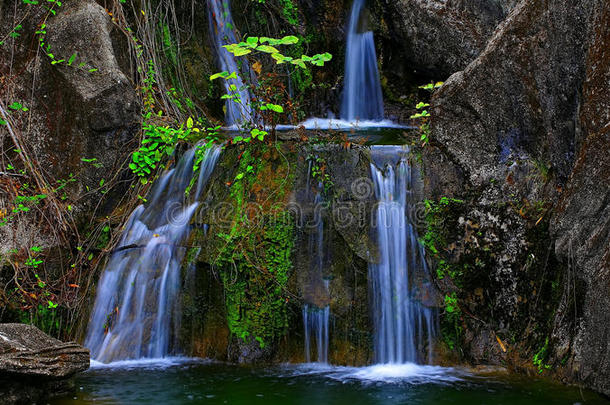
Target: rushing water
x=208, y=383
x=316, y=318
x=403, y=325
x=222, y=31
x=315, y=322
x=362, y=97
x=137, y=303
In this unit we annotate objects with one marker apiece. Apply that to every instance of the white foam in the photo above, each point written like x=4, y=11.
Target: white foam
x=387, y=373
x=159, y=363
x=339, y=124
x=324, y=124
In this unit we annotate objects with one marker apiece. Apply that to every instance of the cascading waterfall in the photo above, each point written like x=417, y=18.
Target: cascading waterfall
x=316, y=319
x=137, y=305
x=222, y=30
x=400, y=282
x=315, y=322
x=362, y=97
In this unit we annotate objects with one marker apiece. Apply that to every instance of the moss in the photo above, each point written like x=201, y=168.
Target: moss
x=290, y=11
x=254, y=257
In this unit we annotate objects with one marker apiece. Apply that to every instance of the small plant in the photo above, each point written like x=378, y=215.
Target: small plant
x=319, y=173
x=540, y=356
x=423, y=115
x=268, y=91
x=450, y=325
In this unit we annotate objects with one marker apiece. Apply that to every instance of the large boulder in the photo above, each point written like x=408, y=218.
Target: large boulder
x=27, y=351
x=35, y=366
x=520, y=97
x=437, y=38
x=527, y=124
x=82, y=112
x=582, y=224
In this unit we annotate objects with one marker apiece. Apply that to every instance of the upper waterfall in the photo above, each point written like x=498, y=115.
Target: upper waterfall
x=362, y=97
x=222, y=30
x=136, y=312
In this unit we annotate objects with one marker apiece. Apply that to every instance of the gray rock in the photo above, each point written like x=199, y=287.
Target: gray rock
x=74, y=114
x=438, y=38
x=27, y=351
x=582, y=225
x=519, y=99
x=537, y=96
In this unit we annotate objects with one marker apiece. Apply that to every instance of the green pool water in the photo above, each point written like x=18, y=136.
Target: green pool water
x=179, y=382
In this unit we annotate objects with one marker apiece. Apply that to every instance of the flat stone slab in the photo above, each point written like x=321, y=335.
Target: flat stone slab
x=26, y=351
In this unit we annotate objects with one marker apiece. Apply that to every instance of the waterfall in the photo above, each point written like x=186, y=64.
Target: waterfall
x=399, y=282
x=222, y=31
x=136, y=312
x=316, y=317
x=315, y=322
x=362, y=98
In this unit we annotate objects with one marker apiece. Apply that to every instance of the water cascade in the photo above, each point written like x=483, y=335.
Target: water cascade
x=400, y=283
x=137, y=304
x=316, y=318
x=222, y=30
x=315, y=322
x=362, y=97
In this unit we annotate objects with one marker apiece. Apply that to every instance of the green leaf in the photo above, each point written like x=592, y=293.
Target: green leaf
x=252, y=41
x=218, y=75
x=276, y=108
x=267, y=49
x=71, y=60
x=289, y=40
x=299, y=63
x=189, y=123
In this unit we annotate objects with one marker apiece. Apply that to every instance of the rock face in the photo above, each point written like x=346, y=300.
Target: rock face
x=582, y=222
x=527, y=125
x=437, y=38
x=82, y=117
x=75, y=112
x=33, y=365
x=520, y=97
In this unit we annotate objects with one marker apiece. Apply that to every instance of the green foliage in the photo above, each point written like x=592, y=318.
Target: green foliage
x=318, y=172
x=540, y=356
x=423, y=115
x=435, y=240
x=267, y=91
x=256, y=297
x=254, y=257
x=436, y=212
x=160, y=142
x=268, y=46
x=45, y=318
x=451, y=328
x=290, y=11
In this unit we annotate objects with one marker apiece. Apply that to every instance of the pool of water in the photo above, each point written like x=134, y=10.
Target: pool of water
x=177, y=381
